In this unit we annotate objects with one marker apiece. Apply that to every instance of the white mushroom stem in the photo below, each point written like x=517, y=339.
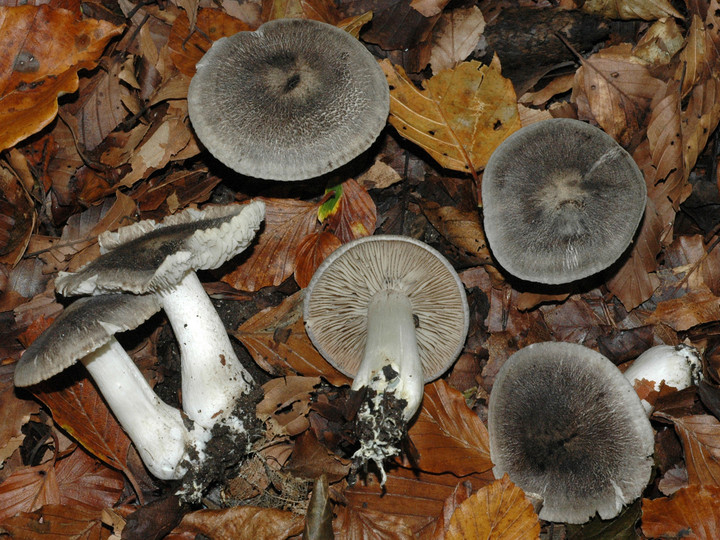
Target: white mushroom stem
x=391, y=343
x=679, y=367
x=157, y=430
x=212, y=376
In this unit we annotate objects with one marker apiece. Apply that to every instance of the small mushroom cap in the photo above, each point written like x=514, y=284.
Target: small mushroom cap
x=149, y=256
x=292, y=100
x=337, y=299
x=83, y=327
x=562, y=201
x=565, y=423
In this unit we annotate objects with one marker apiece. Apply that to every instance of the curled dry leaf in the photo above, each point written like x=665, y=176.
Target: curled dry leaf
x=350, y=213
x=319, y=516
x=690, y=511
x=693, y=62
x=459, y=117
x=35, y=72
x=498, y=511
x=699, y=306
x=455, y=36
x=242, y=523
x=287, y=401
x=311, y=252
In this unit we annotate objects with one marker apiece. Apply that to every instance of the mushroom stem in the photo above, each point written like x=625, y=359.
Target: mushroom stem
x=157, y=430
x=212, y=376
x=390, y=368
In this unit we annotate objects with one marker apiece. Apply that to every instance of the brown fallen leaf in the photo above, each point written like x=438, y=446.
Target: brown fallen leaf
x=692, y=62
x=459, y=117
x=55, y=520
x=697, y=307
x=311, y=252
x=448, y=435
x=688, y=257
x=277, y=341
x=350, y=213
x=369, y=524
x=319, y=10
x=461, y=493
x=319, y=516
x=631, y=9
x=310, y=459
x=34, y=72
x=498, y=511
x=286, y=401
x=462, y=229
x=242, y=523
x=271, y=259
x=659, y=44
x=692, y=512
x=17, y=218
x=455, y=36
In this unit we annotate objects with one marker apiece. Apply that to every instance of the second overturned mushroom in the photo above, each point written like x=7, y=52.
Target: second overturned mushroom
x=391, y=312
x=161, y=258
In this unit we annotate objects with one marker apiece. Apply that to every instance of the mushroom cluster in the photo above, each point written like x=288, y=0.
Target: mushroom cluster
x=561, y=201
x=145, y=267
x=391, y=312
x=568, y=428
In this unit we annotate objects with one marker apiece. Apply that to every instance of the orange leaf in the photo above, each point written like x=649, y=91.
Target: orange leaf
x=448, y=435
x=498, y=511
x=43, y=49
x=319, y=10
x=354, y=214
x=697, y=307
x=28, y=489
x=272, y=259
x=242, y=522
x=276, y=339
x=459, y=117
x=692, y=512
x=311, y=252
x=55, y=521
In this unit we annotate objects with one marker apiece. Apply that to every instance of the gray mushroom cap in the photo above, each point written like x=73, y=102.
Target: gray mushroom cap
x=565, y=424
x=562, y=201
x=292, y=100
x=83, y=327
x=150, y=257
x=337, y=299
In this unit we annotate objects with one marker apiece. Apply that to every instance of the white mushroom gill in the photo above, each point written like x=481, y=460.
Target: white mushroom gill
x=157, y=430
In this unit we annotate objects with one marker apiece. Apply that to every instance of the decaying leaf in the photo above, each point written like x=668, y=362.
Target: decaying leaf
x=498, y=511
x=350, y=212
x=242, y=523
x=692, y=512
x=631, y=9
x=58, y=520
x=455, y=36
x=319, y=10
x=33, y=73
x=459, y=117
x=17, y=218
x=319, y=517
x=311, y=252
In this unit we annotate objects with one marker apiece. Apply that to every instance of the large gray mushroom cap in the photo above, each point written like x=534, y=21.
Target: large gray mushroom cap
x=83, y=327
x=338, y=296
x=292, y=100
x=151, y=257
x=562, y=201
x=565, y=424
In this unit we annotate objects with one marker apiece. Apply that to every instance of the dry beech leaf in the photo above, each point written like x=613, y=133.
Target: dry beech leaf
x=648, y=10
x=659, y=44
x=55, y=521
x=429, y=8
x=688, y=257
x=353, y=25
x=696, y=307
x=17, y=218
x=459, y=117
x=242, y=523
x=455, y=36
x=28, y=489
x=277, y=341
x=271, y=258
x=286, y=401
x=319, y=516
x=16, y=411
x=700, y=118
x=461, y=493
x=34, y=72
x=449, y=436
x=498, y=511
x=356, y=524
x=311, y=252
x=213, y=23
x=700, y=436
x=310, y=459
x=618, y=88
x=693, y=59
x=691, y=512
x=350, y=213
x=319, y=10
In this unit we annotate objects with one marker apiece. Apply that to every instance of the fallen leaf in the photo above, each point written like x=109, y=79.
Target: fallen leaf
x=319, y=516
x=242, y=523
x=688, y=257
x=659, y=44
x=371, y=525
x=455, y=36
x=498, y=511
x=277, y=341
x=310, y=459
x=319, y=10
x=429, y=8
x=459, y=117
x=449, y=436
x=17, y=218
x=622, y=527
x=287, y=401
x=86, y=483
x=43, y=49
x=311, y=252
x=56, y=521
x=28, y=489
x=648, y=10
x=350, y=213
x=272, y=257
x=461, y=493
x=692, y=512
x=697, y=307
x=16, y=411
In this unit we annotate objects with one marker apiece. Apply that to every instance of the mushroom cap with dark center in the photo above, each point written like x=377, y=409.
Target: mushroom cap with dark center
x=566, y=424
x=83, y=327
x=149, y=257
x=337, y=299
x=561, y=200
x=292, y=100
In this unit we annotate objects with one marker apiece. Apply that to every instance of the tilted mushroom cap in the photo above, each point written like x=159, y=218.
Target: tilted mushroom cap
x=148, y=256
x=339, y=293
x=561, y=200
x=83, y=327
x=565, y=424
x=292, y=100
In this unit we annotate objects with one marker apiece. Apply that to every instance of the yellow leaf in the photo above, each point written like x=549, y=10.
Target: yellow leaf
x=459, y=117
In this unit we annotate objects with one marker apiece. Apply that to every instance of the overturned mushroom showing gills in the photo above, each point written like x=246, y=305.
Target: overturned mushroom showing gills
x=161, y=258
x=561, y=201
x=566, y=425
x=85, y=332
x=292, y=100
x=391, y=312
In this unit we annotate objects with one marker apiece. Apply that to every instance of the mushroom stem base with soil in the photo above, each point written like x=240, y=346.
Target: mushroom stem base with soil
x=161, y=437
x=391, y=375
x=212, y=376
